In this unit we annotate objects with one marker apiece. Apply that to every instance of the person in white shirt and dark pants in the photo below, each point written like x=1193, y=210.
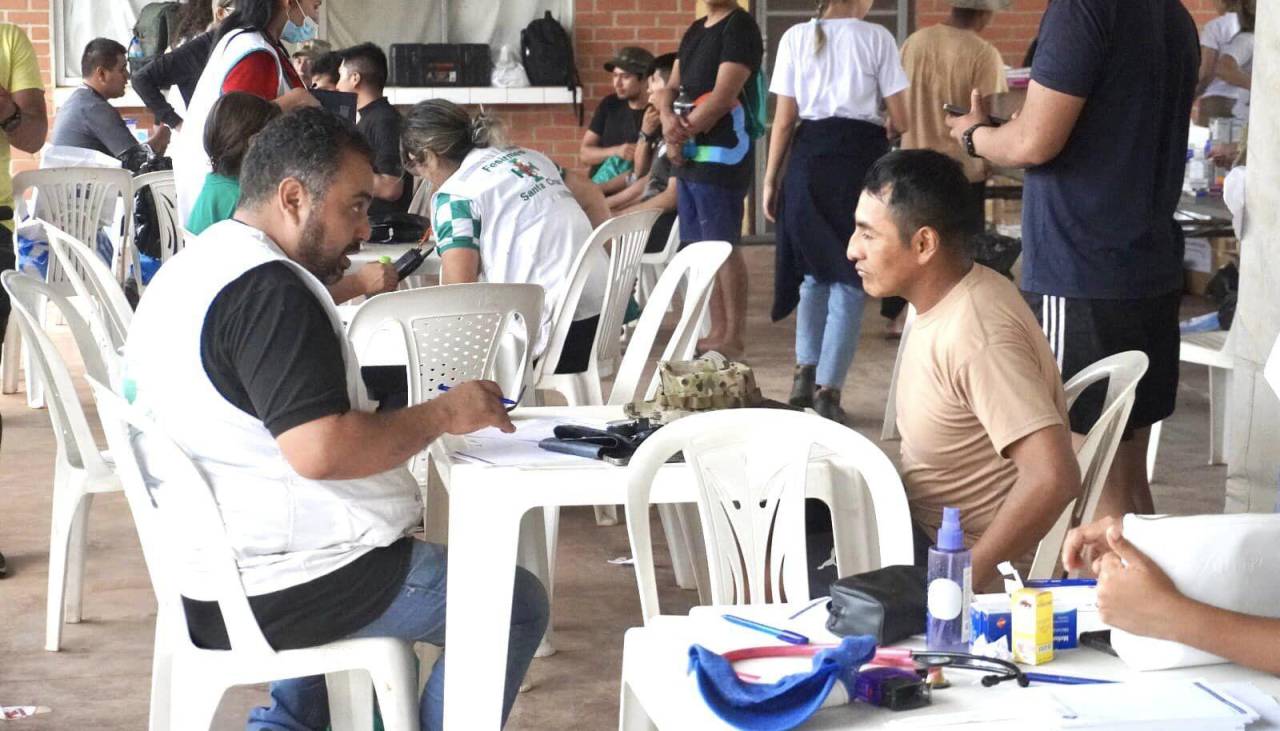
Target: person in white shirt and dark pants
x=833, y=78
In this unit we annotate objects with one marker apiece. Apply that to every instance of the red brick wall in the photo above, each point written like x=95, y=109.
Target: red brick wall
x=1013, y=30
x=600, y=27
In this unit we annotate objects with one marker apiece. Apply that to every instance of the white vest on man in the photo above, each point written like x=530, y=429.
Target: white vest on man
x=285, y=529
x=531, y=229
x=190, y=161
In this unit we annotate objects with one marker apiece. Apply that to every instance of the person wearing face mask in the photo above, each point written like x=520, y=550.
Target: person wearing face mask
x=185, y=63
x=247, y=56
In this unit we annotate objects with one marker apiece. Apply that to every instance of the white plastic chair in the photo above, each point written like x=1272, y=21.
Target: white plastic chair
x=628, y=234
x=1207, y=349
x=80, y=471
x=178, y=518
x=653, y=264
x=750, y=466
x=75, y=200
x=889, y=431
x=90, y=279
x=165, y=194
x=1122, y=373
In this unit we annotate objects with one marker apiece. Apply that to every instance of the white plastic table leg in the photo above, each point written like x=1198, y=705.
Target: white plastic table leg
x=631, y=713
x=482, y=552
x=1219, y=387
x=1153, y=449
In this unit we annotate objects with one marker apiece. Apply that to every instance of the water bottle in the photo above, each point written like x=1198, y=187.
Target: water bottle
x=135, y=49
x=683, y=104
x=950, y=588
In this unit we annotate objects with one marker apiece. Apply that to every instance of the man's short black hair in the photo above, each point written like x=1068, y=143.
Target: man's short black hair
x=924, y=188
x=327, y=64
x=662, y=65
x=101, y=53
x=370, y=62
x=306, y=144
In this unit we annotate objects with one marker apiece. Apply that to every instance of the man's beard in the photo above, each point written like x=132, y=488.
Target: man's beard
x=312, y=256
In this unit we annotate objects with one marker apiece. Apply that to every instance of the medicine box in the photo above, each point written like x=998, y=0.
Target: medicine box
x=992, y=620
x=1032, y=626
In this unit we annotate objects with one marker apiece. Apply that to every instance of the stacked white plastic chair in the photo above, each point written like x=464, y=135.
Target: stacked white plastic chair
x=172, y=238
x=75, y=200
x=80, y=470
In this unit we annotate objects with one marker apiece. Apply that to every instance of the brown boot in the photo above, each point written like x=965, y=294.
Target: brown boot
x=803, y=383
x=827, y=403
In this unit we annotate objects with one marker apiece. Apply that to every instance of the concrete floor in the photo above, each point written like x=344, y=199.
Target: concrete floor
x=100, y=678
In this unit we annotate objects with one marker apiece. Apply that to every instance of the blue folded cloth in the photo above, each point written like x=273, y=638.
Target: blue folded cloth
x=786, y=703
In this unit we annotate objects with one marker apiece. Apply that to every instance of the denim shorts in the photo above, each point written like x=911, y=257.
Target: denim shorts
x=709, y=212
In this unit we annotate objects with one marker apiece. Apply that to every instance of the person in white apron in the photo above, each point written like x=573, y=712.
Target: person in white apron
x=503, y=214
x=247, y=56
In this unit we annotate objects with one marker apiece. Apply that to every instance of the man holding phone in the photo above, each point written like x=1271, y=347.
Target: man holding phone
x=1103, y=137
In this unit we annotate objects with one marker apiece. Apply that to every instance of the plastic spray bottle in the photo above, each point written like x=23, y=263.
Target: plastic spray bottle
x=950, y=587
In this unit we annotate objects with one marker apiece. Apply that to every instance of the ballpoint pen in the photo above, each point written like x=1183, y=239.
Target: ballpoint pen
x=507, y=401
x=785, y=635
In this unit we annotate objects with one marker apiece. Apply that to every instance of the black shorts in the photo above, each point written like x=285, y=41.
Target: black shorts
x=1084, y=331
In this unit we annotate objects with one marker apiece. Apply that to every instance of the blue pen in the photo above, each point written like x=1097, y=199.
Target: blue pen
x=785, y=635
x=506, y=401
x=1051, y=583
x=1064, y=679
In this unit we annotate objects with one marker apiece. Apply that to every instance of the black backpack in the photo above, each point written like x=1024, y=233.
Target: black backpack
x=156, y=29
x=547, y=53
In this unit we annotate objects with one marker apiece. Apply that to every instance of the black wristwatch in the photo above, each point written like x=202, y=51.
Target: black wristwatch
x=652, y=139
x=967, y=138
x=11, y=123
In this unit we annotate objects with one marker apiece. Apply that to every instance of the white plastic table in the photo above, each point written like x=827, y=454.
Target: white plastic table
x=658, y=692
x=487, y=505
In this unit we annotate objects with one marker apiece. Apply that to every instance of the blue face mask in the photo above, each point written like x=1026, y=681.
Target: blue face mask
x=294, y=33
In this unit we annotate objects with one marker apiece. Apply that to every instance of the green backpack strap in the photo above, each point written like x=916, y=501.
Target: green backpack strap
x=755, y=95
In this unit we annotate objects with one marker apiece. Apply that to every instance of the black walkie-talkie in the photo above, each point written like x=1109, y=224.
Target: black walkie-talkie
x=410, y=260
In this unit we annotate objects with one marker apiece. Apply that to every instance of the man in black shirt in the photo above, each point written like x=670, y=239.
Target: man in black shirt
x=712, y=148
x=609, y=144
x=266, y=397
x=364, y=73
x=179, y=67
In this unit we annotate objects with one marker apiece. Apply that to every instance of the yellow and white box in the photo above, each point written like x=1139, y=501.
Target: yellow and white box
x=1032, y=626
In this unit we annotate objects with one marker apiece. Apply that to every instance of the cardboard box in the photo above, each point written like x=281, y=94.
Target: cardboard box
x=992, y=619
x=1032, y=626
x=1204, y=257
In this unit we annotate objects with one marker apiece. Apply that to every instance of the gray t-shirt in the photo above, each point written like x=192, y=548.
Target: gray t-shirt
x=88, y=120
x=659, y=173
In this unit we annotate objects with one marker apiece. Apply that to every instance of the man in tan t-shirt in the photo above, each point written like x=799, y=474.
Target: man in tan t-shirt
x=980, y=403
x=945, y=63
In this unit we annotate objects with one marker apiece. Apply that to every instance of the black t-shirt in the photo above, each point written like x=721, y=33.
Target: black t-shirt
x=1097, y=220
x=723, y=154
x=616, y=122
x=270, y=349
x=380, y=124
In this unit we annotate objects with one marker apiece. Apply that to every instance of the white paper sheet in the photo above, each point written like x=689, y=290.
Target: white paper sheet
x=493, y=447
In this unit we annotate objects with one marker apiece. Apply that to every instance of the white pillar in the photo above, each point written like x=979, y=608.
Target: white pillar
x=1253, y=472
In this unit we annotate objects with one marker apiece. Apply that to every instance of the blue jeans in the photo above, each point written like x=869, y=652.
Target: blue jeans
x=417, y=613
x=828, y=323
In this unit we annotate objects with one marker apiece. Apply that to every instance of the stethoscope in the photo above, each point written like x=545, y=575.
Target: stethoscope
x=999, y=670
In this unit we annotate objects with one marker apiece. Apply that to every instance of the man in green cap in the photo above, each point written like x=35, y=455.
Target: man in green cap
x=609, y=144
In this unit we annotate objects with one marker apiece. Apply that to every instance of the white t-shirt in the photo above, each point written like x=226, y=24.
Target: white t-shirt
x=1241, y=49
x=1216, y=35
x=857, y=69
x=512, y=206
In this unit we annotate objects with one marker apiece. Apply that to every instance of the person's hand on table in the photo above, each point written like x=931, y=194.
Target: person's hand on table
x=976, y=115
x=473, y=406
x=1134, y=594
x=1085, y=546
x=377, y=277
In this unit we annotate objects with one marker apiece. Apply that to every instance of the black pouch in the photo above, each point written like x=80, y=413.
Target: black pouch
x=888, y=604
